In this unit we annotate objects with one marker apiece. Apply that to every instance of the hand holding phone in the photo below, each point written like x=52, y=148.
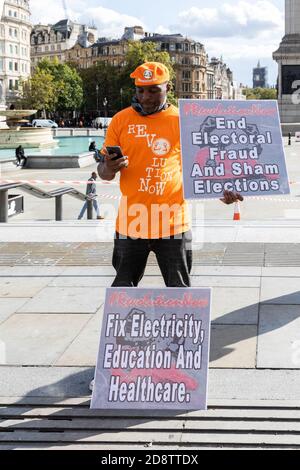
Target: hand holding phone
x=117, y=151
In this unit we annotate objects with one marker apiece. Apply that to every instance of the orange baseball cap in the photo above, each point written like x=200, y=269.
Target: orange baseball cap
x=151, y=73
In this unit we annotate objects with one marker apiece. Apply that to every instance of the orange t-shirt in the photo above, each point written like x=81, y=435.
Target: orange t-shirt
x=152, y=204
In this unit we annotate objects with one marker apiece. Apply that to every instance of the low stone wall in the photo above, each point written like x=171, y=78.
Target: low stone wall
x=57, y=162
x=290, y=127
x=8, y=165
x=75, y=132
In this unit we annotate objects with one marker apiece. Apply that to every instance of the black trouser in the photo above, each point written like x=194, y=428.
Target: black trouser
x=174, y=257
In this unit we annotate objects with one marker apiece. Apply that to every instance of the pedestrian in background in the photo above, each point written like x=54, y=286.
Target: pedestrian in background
x=91, y=194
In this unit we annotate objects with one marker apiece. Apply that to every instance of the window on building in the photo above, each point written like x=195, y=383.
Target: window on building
x=186, y=47
x=16, y=84
x=1, y=65
x=186, y=75
x=16, y=66
x=10, y=32
x=10, y=84
x=10, y=66
x=186, y=87
x=16, y=50
x=11, y=49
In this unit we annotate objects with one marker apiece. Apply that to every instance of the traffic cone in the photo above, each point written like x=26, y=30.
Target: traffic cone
x=237, y=212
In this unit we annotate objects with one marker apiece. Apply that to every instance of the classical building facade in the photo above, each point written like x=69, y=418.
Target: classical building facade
x=15, y=29
x=54, y=41
x=196, y=77
x=223, y=80
x=190, y=63
x=288, y=59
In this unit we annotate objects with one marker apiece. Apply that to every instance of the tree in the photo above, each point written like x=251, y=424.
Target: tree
x=111, y=80
x=101, y=81
x=39, y=92
x=68, y=84
x=138, y=53
x=260, y=93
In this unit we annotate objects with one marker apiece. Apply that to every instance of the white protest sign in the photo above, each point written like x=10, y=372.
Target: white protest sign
x=234, y=146
x=154, y=350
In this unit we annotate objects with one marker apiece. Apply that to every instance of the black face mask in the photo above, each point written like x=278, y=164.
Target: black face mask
x=139, y=109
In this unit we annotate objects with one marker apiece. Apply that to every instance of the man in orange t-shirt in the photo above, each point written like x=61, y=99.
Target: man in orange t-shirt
x=153, y=214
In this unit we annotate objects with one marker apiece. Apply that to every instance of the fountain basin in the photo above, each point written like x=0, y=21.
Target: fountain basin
x=27, y=137
x=12, y=134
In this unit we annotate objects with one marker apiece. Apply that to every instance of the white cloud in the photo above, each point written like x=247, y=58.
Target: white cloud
x=110, y=23
x=51, y=12
x=244, y=18
x=162, y=30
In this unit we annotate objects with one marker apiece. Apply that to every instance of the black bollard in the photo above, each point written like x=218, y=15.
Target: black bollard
x=290, y=138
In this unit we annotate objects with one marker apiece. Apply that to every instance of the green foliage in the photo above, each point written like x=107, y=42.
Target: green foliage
x=53, y=86
x=139, y=53
x=39, y=92
x=106, y=77
x=260, y=93
x=111, y=80
x=68, y=84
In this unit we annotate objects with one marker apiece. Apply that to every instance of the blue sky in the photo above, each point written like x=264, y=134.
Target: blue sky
x=242, y=31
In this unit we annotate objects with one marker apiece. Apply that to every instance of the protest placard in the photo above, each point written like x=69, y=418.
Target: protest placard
x=154, y=350
x=232, y=145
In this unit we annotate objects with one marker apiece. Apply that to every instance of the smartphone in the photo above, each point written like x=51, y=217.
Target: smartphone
x=115, y=150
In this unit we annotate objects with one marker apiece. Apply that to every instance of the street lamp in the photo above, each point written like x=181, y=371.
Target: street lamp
x=105, y=103
x=97, y=92
x=121, y=93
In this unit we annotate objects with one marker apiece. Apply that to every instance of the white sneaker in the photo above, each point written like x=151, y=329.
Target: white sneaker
x=91, y=386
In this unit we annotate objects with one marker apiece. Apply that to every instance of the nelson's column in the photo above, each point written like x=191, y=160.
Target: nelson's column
x=288, y=59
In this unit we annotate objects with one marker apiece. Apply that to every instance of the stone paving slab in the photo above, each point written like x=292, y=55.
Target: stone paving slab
x=234, y=271
x=22, y=286
x=83, y=351
x=38, y=340
x=95, y=254
x=235, y=305
x=9, y=306
x=65, y=300
x=224, y=384
x=82, y=281
x=291, y=271
x=279, y=337
x=280, y=290
x=228, y=281
x=233, y=346
x=31, y=271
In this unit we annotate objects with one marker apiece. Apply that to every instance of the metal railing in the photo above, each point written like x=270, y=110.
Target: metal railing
x=41, y=194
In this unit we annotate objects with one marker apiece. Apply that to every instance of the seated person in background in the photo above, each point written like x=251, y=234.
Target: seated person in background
x=20, y=156
x=93, y=148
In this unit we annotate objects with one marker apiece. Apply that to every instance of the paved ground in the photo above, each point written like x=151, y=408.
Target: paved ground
x=52, y=289
x=282, y=208
x=51, y=304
